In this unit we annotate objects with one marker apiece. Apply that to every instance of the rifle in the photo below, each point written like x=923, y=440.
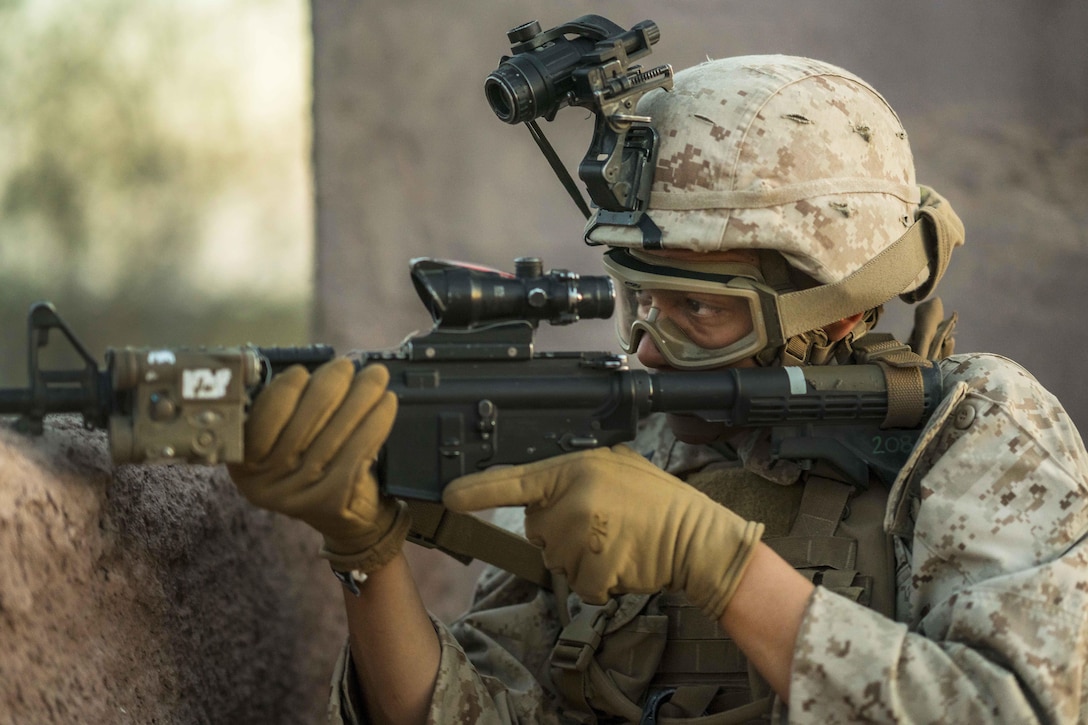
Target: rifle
x=473, y=392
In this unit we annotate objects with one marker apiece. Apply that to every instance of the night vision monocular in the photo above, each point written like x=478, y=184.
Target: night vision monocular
x=587, y=63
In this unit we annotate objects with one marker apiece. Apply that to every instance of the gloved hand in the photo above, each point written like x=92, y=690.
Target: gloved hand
x=612, y=522
x=310, y=441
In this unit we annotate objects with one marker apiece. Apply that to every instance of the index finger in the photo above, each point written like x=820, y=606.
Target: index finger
x=515, y=486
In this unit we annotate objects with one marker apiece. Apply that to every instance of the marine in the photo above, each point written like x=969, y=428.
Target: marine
x=698, y=577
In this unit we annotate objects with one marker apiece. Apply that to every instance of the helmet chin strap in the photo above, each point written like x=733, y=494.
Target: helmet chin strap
x=815, y=348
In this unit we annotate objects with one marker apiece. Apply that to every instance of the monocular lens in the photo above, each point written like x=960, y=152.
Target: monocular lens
x=510, y=94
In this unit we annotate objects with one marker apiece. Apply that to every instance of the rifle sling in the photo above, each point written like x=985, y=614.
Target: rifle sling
x=466, y=537
x=902, y=374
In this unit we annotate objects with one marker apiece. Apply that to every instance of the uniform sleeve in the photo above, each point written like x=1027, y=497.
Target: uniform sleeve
x=498, y=651
x=998, y=627
x=490, y=664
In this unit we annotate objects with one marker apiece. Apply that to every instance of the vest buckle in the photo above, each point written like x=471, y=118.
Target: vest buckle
x=579, y=640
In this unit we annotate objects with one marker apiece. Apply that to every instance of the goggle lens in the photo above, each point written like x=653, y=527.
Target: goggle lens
x=697, y=320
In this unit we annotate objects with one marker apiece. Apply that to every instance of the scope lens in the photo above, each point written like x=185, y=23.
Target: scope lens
x=597, y=298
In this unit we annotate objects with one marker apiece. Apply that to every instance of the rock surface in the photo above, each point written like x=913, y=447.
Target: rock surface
x=152, y=594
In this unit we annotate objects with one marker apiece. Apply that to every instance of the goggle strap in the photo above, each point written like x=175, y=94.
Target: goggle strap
x=894, y=268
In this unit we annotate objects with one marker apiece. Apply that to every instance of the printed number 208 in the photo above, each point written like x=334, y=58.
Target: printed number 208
x=884, y=445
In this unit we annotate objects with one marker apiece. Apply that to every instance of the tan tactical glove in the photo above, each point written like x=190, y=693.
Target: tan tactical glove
x=310, y=442
x=612, y=522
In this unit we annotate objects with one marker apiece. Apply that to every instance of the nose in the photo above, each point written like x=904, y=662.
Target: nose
x=648, y=354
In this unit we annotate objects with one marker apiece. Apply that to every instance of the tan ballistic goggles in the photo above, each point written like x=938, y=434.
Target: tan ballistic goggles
x=699, y=314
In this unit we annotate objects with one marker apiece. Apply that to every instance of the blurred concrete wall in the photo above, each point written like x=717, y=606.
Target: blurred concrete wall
x=410, y=161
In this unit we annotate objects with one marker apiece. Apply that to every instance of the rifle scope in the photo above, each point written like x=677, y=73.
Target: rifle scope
x=461, y=295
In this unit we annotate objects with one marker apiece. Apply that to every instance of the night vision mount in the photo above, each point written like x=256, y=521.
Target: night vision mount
x=592, y=68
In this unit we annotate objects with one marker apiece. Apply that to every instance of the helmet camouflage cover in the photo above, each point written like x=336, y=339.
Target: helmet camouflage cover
x=777, y=152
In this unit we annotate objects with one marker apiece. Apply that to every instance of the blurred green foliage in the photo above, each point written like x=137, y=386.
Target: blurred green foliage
x=154, y=171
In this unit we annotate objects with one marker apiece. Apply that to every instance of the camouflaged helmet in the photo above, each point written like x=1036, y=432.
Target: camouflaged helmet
x=801, y=158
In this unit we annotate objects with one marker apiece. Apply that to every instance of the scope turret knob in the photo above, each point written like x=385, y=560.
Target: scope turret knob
x=528, y=267
x=537, y=297
x=526, y=31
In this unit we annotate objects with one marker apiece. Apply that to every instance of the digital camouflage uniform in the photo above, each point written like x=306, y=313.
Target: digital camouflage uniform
x=988, y=518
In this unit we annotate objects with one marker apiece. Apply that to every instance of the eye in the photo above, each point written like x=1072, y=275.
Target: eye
x=701, y=308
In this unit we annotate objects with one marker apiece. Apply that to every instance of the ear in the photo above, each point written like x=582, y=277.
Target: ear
x=838, y=330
